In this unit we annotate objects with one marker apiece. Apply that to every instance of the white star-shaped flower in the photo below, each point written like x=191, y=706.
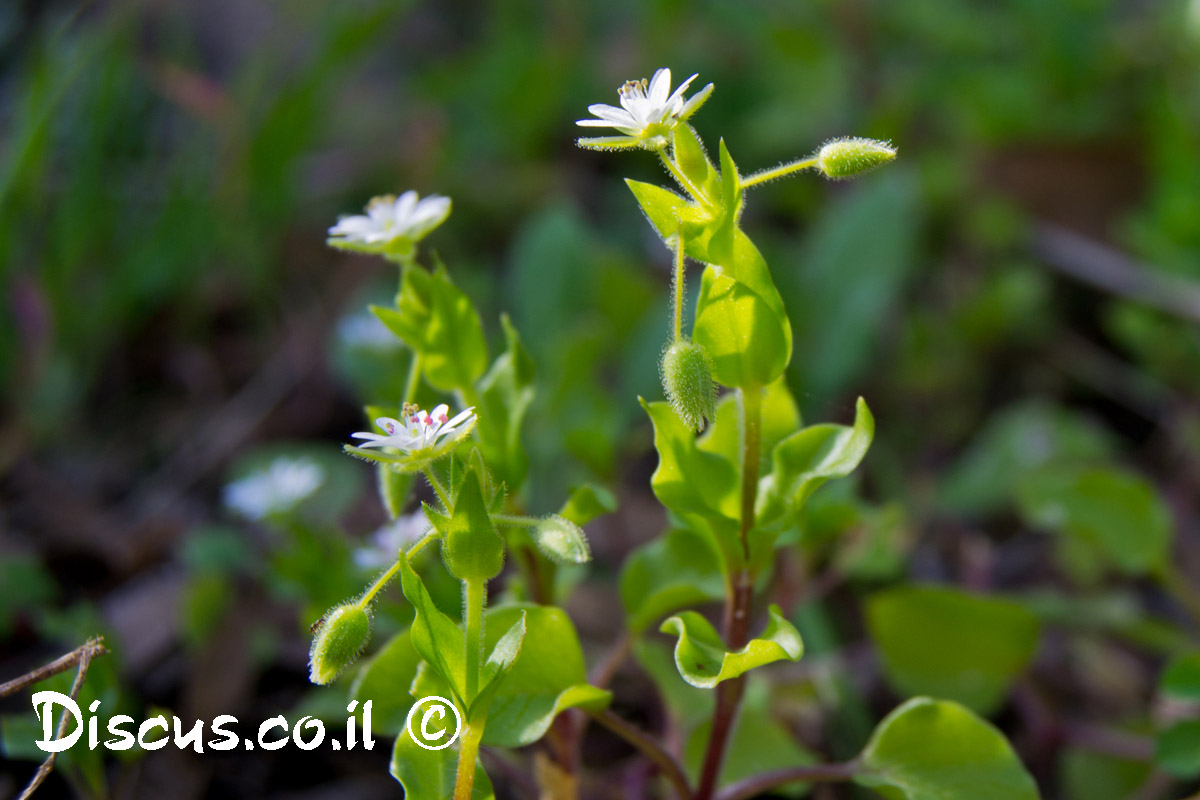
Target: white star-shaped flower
x=274, y=490
x=649, y=112
x=420, y=430
x=392, y=225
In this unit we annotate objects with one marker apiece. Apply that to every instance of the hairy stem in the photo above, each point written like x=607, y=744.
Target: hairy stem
x=474, y=597
x=386, y=578
x=738, y=598
x=670, y=768
x=781, y=171
x=438, y=488
x=678, y=288
x=753, y=787
x=468, y=751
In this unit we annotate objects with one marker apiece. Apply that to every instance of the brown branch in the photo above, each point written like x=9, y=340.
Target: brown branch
x=80, y=657
x=667, y=763
x=753, y=787
x=90, y=649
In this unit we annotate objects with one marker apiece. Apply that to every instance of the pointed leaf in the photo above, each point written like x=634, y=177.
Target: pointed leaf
x=434, y=635
x=471, y=546
x=499, y=662
x=695, y=475
x=804, y=461
x=938, y=750
x=703, y=661
x=547, y=678
x=505, y=394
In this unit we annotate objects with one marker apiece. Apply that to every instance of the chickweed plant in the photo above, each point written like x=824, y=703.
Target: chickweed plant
x=736, y=467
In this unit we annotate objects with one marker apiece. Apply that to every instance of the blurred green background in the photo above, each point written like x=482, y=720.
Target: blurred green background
x=1023, y=285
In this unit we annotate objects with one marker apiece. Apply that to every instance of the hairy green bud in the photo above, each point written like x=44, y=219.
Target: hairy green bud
x=845, y=158
x=688, y=383
x=340, y=637
x=562, y=541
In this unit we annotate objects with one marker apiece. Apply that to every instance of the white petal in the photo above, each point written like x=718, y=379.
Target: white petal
x=367, y=435
x=660, y=86
x=461, y=416
x=677, y=95
x=390, y=425
x=404, y=208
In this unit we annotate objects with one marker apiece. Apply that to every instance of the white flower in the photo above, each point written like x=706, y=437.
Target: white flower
x=274, y=490
x=392, y=225
x=649, y=112
x=420, y=430
x=388, y=540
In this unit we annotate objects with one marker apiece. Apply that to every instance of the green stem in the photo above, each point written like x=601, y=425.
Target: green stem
x=682, y=179
x=677, y=287
x=414, y=379
x=475, y=594
x=751, y=453
x=739, y=596
x=438, y=488
x=781, y=171
x=515, y=520
x=386, y=578
x=468, y=752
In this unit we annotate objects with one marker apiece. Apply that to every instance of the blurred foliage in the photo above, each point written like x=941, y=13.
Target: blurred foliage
x=167, y=172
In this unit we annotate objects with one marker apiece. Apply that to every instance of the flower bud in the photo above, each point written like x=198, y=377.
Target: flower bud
x=562, y=541
x=340, y=637
x=845, y=158
x=688, y=383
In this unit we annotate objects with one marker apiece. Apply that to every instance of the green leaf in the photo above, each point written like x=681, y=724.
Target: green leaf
x=1115, y=511
x=471, y=546
x=436, y=319
x=499, y=662
x=1177, y=748
x=703, y=661
x=672, y=216
x=966, y=648
x=384, y=679
x=561, y=541
x=693, y=162
x=434, y=635
x=430, y=774
x=1014, y=442
x=587, y=502
x=679, y=569
x=688, y=706
x=700, y=476
x=1181, y=679
x=393, y=489
x=938, y=750
x=547, y=678
x=804, y=461
x=505, y=394
x=1086, y=775
x=740, y=318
